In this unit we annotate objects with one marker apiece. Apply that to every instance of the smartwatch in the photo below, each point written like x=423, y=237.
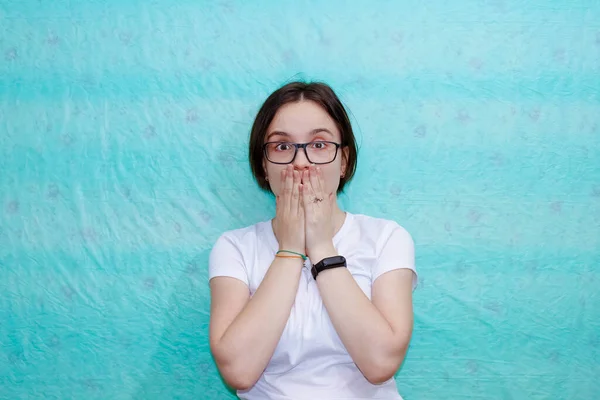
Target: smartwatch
x=328, y=263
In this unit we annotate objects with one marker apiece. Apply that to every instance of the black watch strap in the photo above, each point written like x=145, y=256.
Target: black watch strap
x=328, y=263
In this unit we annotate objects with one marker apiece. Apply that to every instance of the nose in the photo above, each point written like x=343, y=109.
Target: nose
x=301, y=162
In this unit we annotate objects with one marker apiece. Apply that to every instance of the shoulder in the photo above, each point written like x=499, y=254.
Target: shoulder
x=233, y=251
x=392, y=244
x=245, y=236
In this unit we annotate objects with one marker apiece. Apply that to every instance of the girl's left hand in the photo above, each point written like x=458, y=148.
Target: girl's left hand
x=318, y=211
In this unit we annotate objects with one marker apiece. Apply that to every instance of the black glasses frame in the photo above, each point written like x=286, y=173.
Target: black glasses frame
x=301, y=146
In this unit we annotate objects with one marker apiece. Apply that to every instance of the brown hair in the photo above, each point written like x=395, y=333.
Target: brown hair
x=320, y=93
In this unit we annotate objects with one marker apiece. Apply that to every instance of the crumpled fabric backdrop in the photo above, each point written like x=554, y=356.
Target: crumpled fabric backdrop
x=123, y=135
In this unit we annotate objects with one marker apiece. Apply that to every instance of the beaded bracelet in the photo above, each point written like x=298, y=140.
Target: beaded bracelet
x=302, y=256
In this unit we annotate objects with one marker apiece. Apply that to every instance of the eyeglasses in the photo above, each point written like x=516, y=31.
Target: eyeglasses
x=317, y=152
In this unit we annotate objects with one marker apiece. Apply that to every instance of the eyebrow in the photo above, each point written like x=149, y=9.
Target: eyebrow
x=312, y=133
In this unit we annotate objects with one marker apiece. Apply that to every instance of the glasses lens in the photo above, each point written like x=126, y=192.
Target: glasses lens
x=280, y=152
x=318, y=152
x=321, y=152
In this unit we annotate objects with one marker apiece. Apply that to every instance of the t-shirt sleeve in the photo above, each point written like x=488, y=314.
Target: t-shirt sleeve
x=226, y=260
x=396, y=252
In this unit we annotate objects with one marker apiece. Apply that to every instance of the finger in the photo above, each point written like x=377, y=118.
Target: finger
x=279, y=197
x=301, y=189
x=314, y=182
x=305, y=190
x=309, y=186
x=282, y=182
x=282, y=197
x=281, y=186
x=321, y=180
x=301, y=199
x=288, y=187
x=295, y=192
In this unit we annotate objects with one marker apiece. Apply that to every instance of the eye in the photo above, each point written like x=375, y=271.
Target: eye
x=319, y=145
x=282, y=146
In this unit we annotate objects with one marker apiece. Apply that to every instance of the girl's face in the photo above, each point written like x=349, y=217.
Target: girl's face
x=304, y=122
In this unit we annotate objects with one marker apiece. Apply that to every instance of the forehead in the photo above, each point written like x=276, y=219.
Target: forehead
x=300, y=119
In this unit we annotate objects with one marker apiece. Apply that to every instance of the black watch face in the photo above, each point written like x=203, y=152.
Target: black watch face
x=334, y=260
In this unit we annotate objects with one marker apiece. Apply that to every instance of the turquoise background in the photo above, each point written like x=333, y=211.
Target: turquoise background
x=123, y=136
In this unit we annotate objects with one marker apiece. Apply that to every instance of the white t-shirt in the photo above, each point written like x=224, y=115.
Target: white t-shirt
x=310, y=361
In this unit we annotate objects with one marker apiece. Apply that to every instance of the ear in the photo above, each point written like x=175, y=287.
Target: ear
x=264, y=166
x=345, y=152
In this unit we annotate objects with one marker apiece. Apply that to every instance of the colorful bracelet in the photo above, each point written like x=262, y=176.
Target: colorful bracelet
x=302, y=256
x=280, y=256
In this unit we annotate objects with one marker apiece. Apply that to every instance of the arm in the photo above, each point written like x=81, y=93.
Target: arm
x=244, y=332
x=376, y=333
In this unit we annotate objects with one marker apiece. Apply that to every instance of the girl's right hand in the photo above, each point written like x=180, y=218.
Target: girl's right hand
x=289, y=218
